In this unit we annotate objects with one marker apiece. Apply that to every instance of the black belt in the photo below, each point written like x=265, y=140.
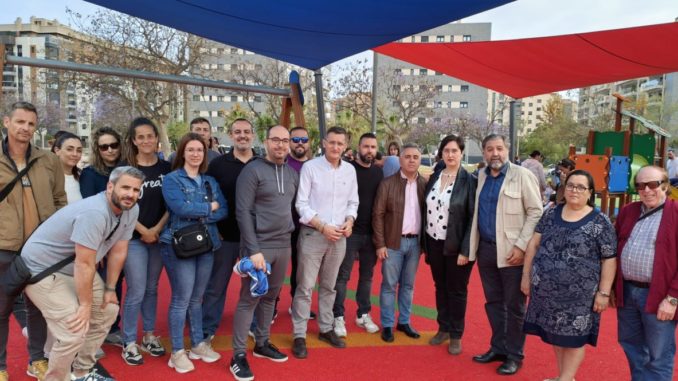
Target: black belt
x=410, y=235
x=637, y=284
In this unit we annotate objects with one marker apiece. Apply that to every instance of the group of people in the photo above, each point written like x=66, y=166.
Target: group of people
x=120, y=217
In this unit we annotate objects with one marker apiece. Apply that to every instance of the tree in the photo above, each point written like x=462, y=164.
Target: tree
x=120, y=40
x=399, y=106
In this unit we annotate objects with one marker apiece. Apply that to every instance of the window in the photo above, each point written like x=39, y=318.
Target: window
x=421, y=120
x=464, y=88
x=438, y=104
x=412, y=39
x=440, y=38
x=538, y=100
x=234, y=66
x=466, y=38
x=258, y=67
x=220, y=51
x=196, y=98
x=538, y=108
x=529, y=113
x=257, y=98
x=438, y=73
x=396, y=87
x=452, y=38
x=463, y=104
x=423, y=72
x=437, y=120
x=424, y=38
x=530, y=104
x=234, y=98
x=439, y=87
x=220, y=98
x=397, y=71
x=234, y=50
x=220, y=114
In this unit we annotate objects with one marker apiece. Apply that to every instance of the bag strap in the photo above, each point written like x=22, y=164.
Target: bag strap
x=10, y=185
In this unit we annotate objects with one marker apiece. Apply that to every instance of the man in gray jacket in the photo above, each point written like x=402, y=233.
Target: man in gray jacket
x=264, y=194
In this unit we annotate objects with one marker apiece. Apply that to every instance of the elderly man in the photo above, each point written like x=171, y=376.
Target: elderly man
x=29, y=201
x=327, y=202
x=647, y=278
x=508, y=207
x=78, y=306
x=264, y=213
x=396, y=220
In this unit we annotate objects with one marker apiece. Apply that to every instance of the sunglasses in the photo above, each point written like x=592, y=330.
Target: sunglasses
x=650, y=184
x=105, y=147
x=298, y=139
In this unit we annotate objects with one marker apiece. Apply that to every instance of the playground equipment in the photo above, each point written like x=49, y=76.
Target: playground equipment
x=614, y=157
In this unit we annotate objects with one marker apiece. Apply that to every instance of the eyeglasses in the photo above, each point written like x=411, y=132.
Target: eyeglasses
x=105, y=147
x=278, y=141
x=298, y=139
x=576, y=188
x=650, y=184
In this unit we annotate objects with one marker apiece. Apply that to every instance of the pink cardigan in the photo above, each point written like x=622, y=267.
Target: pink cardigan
x=665, y=269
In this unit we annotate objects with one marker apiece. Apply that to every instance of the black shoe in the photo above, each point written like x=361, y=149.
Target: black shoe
x=332, y=339
x=240, y=368
x=509, y=367
x=489, y=356
x=387, y=334
x=299, y=348
x=269, y=351
x=408, y=330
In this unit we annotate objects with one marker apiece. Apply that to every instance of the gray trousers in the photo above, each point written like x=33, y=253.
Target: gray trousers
x=264, y=305
x=318, y=258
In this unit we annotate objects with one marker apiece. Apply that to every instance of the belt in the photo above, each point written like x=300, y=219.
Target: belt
x=637, y=284
x=410, y=235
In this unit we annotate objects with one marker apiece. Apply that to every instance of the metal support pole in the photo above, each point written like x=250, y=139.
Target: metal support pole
x=321, y=102
x=512, y=130
x=375, y=61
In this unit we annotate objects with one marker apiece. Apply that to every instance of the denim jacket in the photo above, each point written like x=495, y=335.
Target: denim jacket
x=187, y=203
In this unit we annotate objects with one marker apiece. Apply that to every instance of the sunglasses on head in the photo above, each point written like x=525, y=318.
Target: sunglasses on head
x=298, y=139
x=105, y=147
x=650, y=184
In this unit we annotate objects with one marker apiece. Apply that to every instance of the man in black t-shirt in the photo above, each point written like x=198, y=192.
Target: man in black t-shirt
x=360, y=242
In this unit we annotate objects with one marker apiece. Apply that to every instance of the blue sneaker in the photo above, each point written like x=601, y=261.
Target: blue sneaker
x=92, y=376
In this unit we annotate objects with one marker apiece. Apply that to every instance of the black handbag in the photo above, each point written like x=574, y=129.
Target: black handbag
x=194, y=239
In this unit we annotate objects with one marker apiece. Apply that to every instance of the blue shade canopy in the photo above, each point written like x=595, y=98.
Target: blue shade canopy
x=308, y=33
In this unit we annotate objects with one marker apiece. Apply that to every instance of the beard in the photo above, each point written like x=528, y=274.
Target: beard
x=116, y=200
x=366, y=159
x=299, y=154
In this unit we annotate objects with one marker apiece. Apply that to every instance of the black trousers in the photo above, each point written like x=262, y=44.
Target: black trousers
x=37, y=326
x=451, y=285
x=293, y=258
x=505, y=303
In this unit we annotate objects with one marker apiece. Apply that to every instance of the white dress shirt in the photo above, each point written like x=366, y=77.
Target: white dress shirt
x=328, y=192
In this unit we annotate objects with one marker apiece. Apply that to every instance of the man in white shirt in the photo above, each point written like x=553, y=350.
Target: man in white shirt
x=327, y=202
x=672, y=167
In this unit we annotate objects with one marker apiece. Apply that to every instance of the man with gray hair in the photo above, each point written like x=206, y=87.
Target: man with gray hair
x=507, y=209
x=396, y=220
x=78, y=307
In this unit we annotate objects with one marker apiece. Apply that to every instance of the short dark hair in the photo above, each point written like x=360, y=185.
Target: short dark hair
x=179, y=159
x=535, y=153
x=21, y=105
x=566, y=163
x=197, y=120
x=447, y=139
x=493, y=137
x=580, y=172
x=299, y=128
x=337, y=130
x=230, y=128
x=367, y=135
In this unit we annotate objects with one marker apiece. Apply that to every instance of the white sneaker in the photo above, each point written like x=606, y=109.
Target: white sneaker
x=180, y=362
x=365, y=321
x=204, y=352
x=340, y=326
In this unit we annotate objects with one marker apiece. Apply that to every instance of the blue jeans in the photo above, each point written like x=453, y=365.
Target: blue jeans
x=215, y=295
x=649, y=344
x=188, y=280
x=143, y=267
x=398, y=270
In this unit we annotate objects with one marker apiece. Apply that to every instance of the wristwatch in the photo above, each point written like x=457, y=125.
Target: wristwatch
x=673, y=301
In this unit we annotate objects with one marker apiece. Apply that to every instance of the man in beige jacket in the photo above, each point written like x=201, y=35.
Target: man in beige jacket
x=508, y=207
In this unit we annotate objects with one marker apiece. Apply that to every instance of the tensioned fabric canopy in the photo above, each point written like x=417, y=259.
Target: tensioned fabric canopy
x=308, y=33
x=533, y=66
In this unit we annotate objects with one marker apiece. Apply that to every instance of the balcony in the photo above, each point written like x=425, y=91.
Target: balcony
x=652, y=85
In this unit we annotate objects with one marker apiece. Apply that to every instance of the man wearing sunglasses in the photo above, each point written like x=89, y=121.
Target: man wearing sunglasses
x=647, y=277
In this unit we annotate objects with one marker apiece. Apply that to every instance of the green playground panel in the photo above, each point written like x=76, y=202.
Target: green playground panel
x=602, y=140
x=643, y=145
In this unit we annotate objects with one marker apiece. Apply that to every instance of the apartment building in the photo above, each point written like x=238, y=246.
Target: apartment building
x=529, y=110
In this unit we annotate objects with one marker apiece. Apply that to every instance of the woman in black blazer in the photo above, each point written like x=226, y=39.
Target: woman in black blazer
x=450, y=196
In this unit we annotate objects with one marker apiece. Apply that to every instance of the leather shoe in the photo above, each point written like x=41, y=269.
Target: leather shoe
x=489, y=356
x=509, y=367
x=332, y=339
x=408, y=330
x=439, y=338
x=387, y=334
x=299, y=348
x=455, y=347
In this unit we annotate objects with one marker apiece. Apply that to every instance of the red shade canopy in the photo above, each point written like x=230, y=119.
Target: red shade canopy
x=533, y=66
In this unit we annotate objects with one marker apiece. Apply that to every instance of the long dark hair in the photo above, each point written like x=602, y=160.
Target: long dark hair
x=179, y=159
x=63, y=136
x=130, y=149
x=592, y=187
x=97, y=162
